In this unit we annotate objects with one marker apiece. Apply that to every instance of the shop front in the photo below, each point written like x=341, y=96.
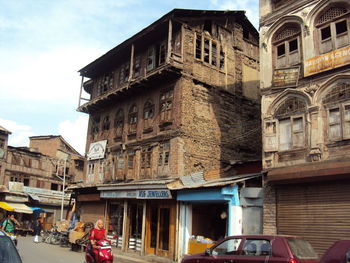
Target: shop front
x=208, y=215
x=142, y=219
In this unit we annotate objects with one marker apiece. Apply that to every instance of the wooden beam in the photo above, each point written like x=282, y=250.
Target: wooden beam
x=170, y=34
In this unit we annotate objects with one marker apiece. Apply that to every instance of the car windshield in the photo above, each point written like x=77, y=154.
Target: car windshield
x=8, y=251
x=302, y=249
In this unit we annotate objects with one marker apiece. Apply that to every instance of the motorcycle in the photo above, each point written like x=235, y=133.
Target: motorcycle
x=105, y=254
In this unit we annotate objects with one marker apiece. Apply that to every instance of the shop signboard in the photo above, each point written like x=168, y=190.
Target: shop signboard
x=97, y=150
x=153, y=194
x=118, y=194
x=138, y=194
x=324, y=62
x=287, y=77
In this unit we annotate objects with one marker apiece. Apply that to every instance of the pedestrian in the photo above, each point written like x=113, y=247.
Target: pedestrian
x=97, y=233
x=8, y=225
x=37, y=229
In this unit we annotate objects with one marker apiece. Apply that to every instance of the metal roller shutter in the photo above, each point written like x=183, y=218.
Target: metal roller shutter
x=318, y=212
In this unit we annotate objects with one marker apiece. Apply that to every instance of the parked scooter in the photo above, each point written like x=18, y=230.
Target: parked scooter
x=105, y=254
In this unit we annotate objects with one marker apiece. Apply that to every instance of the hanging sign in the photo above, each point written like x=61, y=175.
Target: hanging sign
x=97, y=150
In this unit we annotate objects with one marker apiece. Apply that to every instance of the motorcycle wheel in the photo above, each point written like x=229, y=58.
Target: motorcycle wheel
x=55, y=240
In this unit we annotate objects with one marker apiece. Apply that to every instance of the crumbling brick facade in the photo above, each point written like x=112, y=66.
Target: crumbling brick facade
x=190, y=109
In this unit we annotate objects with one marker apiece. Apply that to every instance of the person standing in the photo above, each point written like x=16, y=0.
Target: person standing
x=9, y=224
x=37, y=229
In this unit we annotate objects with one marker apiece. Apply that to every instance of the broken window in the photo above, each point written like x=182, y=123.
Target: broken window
x=137, y=66
x=337, y=104
x=148, y=114
x=333, y=26
x=162, y=53
x=2, y=143
x=95, y=125
x=151, y=58
x=209, y=51
x=131, y=156
x=133, y=119
x=105, y=123
x=198, y=51
x=164, y=154
x=119, y=123
x=124, y=73
x=286, y=43
x=104, y=83
x=166, y=106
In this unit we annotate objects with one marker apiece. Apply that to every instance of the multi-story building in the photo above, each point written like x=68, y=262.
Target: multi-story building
x=180, y=98
x=3, y=150
x=59, y=149
x=305, y=73
x=33, y=176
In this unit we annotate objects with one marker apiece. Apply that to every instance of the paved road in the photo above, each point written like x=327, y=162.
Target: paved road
x=44, y=253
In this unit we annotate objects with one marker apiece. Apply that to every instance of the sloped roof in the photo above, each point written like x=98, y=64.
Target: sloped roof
x=2, y=129
x=175, y=13
x=49, y=137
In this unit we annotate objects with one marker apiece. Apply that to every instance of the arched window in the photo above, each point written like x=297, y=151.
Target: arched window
x=287, y=130
x=119, y=123
x=287, y=46
x=333, y=28
x=148, y=114
x=133, y=119
x=337, y=104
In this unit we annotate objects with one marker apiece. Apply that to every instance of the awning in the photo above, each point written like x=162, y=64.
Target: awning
x=20, y=208
x=37, y=209
x=6, y=207
x=34, y=197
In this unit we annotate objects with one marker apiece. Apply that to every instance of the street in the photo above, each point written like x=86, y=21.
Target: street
x=42, y=253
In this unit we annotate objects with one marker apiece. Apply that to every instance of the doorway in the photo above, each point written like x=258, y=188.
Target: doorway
x=160, y=229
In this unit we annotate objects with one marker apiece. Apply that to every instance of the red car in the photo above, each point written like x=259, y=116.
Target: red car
x=257, y=248
x=339, y=252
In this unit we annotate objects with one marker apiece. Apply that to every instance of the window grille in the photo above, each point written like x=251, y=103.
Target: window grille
x=331, y=14
x=290, y=107
x=285, y=33
x=339, y=93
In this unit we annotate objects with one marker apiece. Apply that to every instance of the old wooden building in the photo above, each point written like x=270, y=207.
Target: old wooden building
x=305, y=85
x=178, y=98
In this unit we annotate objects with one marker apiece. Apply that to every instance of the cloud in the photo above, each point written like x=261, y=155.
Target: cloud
x=19, y=133
x=74, y=132
x=250, y=6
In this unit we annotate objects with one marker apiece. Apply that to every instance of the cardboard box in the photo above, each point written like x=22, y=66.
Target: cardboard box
x=74, y=235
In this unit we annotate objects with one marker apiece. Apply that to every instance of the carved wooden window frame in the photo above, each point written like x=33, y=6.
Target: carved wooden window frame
x=328, y=25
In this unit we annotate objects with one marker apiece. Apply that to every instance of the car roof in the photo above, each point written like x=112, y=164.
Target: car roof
x=262, y=236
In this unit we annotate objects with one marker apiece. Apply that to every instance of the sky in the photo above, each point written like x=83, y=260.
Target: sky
x=44, y=43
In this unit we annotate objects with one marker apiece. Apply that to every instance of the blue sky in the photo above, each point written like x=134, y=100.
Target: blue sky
x=43, y=43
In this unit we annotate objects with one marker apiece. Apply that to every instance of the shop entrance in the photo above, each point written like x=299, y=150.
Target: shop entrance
x=115, y=221
x=209, y=220
x=160, y=229
x=135, y=226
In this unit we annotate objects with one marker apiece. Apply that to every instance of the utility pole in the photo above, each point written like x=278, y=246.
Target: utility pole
x=63, y=186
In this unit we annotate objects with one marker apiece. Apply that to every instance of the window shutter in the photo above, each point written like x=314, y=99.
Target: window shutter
x=334, y=124
x=346, y=129
x=270, y=137
x=298, y=132
x=285, y=134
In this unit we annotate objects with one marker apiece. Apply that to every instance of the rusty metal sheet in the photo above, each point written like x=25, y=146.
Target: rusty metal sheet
x=286, y=77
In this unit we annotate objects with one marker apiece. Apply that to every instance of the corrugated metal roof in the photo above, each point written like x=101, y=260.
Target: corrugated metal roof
x=212, y=183
x=193, y=179
x=137, y=184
